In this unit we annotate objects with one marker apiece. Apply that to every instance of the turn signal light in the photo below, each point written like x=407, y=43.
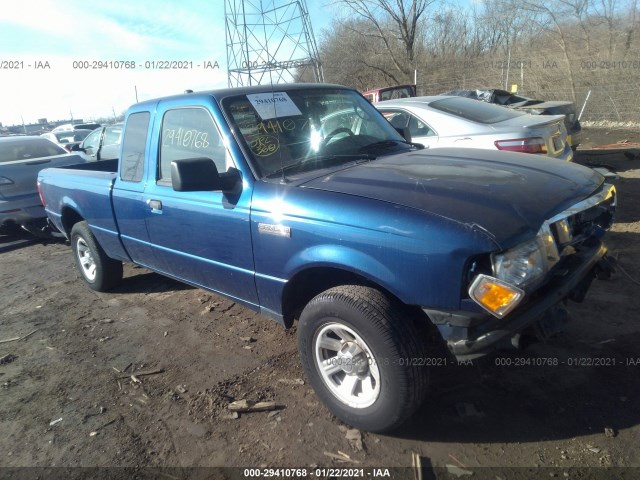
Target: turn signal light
x=495, y=296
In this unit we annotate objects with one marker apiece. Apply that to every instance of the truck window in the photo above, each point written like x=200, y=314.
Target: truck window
x=133, y=148
x=189, y=133
x=396, y=92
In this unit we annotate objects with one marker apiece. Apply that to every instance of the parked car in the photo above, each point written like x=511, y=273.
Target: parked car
x=102, y=144
x=76, y=126
x=443, y=121
x=390, y=93
x=532, y=106
x=67, y=138
x=21, y=158
x=371, y=243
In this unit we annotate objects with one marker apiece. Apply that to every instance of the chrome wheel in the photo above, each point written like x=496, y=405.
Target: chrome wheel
x=346, y=365
x=86, y=260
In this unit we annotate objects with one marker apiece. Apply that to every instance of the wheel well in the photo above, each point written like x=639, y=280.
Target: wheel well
x=69, y=218
x=310, y=282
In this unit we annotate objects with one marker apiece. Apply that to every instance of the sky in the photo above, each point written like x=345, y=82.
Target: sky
x=45, y=47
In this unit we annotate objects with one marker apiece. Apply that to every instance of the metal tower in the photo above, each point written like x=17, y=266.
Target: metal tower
x=270, y=41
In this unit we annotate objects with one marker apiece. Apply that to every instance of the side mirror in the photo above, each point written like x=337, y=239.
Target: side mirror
x=77, y=148
x=405, y=132
x=201, y=175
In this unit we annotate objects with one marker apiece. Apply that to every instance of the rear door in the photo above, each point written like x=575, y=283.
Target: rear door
x=201, y=237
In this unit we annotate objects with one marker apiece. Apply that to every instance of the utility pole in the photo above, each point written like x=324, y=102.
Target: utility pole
x=269, y=41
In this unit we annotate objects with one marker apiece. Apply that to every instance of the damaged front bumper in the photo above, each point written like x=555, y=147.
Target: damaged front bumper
x=473, y=334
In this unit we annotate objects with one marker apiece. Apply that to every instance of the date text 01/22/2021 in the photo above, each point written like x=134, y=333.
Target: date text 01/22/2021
x=319, y=472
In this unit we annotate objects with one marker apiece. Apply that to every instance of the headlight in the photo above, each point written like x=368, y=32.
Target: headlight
x=515, y=271
x=527, y=264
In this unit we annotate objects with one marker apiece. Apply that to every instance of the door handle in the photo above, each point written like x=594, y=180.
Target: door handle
x=155, y=204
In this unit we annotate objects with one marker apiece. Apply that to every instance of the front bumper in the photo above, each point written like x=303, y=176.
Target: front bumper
x=471, y=335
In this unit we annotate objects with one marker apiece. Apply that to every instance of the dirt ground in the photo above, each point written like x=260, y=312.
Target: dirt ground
x=68, y=397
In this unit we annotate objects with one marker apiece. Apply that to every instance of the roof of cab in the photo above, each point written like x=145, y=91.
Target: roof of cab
x=227, y=92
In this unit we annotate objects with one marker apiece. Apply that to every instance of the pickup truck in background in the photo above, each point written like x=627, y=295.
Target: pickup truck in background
x=390, y=93
x=268, y=196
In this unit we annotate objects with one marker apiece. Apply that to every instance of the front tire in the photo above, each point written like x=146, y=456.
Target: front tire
x=361, y=354
x=98, y=271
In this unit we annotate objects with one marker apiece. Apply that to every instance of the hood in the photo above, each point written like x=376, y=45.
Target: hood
x=506, y=195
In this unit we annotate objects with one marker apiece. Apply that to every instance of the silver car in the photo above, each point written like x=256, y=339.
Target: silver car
x=448, y=121
x=21, y=158
x=67, y=138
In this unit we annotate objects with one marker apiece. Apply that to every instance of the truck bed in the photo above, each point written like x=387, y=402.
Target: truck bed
x=103, y=166
x=95, y=182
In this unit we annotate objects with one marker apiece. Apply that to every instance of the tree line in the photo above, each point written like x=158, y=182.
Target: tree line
x=553, y=50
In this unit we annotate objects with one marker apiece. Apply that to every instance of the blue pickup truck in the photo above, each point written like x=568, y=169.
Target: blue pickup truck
x=302, y=202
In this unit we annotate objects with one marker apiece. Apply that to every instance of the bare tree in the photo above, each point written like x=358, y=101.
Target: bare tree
x=395, y=24
x=560, y=50
x=352, y=59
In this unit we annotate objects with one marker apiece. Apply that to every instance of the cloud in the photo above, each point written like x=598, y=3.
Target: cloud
x=62, y=33
x=67, y=34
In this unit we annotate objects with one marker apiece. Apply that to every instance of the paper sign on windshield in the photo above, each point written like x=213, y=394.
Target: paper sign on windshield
x=273, y=105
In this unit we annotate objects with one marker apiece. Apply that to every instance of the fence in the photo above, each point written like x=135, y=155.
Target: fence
x=614, y=96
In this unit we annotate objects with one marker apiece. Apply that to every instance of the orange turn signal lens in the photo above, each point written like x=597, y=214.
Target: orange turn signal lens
x=495, y=296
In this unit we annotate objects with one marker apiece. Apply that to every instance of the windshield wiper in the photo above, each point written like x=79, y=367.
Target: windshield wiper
x=383, y=144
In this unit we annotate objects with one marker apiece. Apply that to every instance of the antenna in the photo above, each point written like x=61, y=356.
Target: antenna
x=270, y=41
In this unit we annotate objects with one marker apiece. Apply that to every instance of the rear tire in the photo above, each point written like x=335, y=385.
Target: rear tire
x=98, y=271
x=361, y=355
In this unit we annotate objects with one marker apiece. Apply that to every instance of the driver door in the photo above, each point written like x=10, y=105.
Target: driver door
x=201, y=237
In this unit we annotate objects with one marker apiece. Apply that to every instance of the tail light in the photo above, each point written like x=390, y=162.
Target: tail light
x=44, y=204
x=523, y=145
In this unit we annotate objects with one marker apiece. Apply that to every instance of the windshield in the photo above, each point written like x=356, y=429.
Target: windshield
x=301, y=130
